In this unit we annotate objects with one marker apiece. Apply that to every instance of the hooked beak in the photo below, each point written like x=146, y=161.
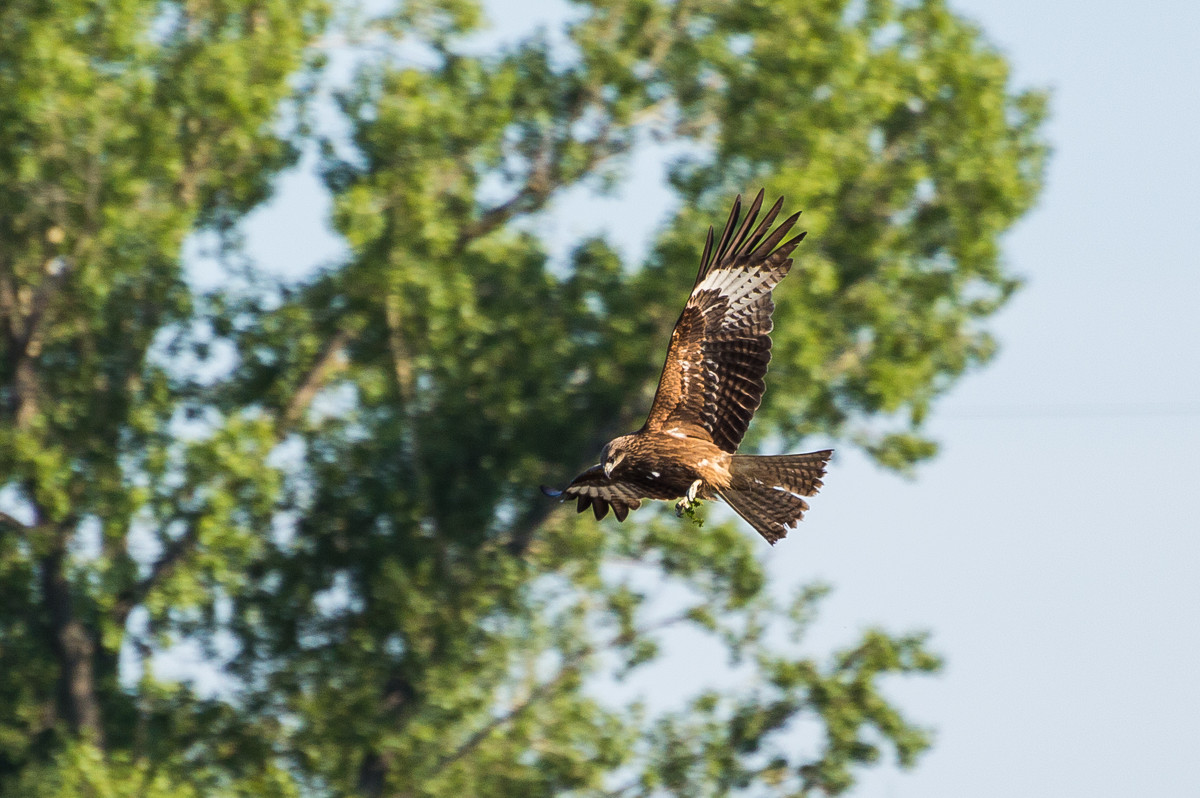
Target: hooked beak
x=608, y=467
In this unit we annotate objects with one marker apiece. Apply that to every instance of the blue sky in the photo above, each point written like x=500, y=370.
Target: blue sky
x=1053, y=548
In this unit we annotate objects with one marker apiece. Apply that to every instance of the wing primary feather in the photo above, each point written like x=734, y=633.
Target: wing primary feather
x=764, y=226
x=551, y=492
x=734, y=214
x=751, y=215
x=772, y=241
x=785, y=249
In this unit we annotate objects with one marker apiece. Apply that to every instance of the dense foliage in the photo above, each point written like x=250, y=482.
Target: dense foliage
x=328, y=486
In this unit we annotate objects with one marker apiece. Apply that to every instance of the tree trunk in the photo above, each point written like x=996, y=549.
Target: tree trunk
x=75, y=649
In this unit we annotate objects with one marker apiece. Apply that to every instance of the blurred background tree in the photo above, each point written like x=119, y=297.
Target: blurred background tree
x=328, y=485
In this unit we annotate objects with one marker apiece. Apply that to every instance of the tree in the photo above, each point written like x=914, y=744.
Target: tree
x=329, y=484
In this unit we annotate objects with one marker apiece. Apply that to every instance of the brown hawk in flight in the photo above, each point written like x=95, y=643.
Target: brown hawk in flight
x=711, y=384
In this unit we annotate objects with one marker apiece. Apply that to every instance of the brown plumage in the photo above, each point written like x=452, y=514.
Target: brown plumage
x=711, y=384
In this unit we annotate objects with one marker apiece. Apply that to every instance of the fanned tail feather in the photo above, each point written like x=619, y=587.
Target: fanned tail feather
x=767, y=491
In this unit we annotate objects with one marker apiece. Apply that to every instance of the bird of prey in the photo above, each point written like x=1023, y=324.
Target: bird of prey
x=711, y=384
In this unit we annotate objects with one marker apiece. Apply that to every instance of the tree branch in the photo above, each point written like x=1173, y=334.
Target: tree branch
x=546, y=172
x=8, y=520
x=546, y=175
x=163, y=567
x=25, y=334
x=177, y=549
x=406, y=385
x=569, y=667
x=9, y=307
x=539, y=185
x=313, y=381
x=540, y=692
x=58, y=269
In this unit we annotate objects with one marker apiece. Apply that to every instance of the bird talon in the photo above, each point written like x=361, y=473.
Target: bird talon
x=693, y=490
x=681, y=507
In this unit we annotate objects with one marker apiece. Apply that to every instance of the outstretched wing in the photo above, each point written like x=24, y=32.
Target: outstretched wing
x=597, y=491
x=712, y=381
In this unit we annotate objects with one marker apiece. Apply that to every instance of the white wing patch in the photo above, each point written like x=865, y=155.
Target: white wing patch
x=741, y=288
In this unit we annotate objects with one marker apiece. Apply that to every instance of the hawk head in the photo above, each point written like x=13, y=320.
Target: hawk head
x=613, y=454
